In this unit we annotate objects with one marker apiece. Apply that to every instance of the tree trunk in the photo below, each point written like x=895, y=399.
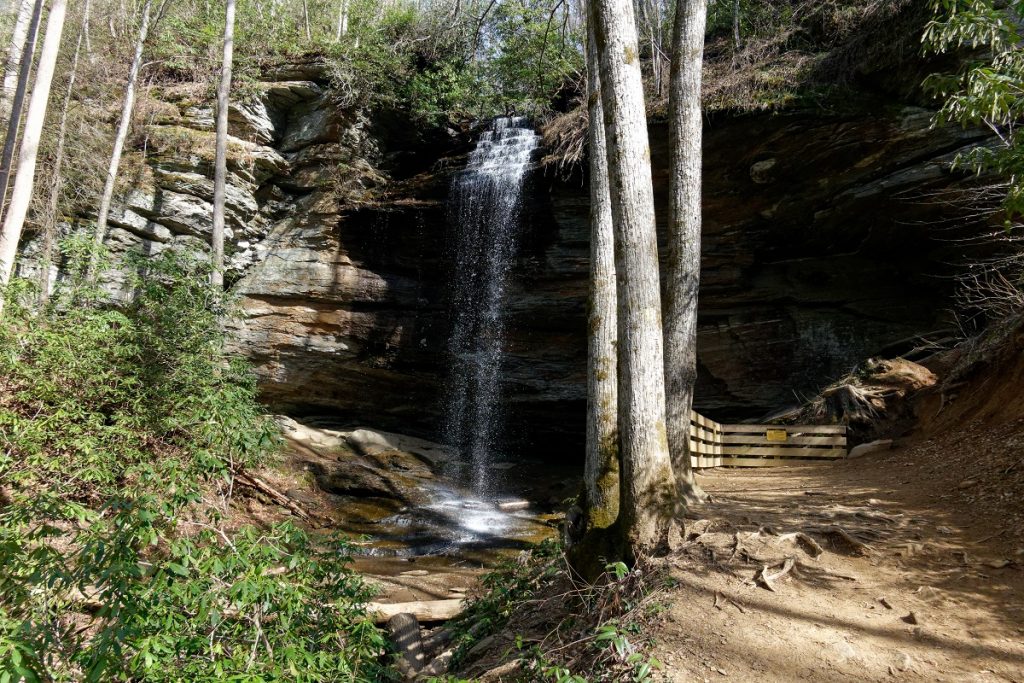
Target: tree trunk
x=220, y=169
x=653, y=24
x=50, y=217
x=13, y=67
x=647, y=504
x=305, y=20
x=10, y=234
x=342, y=20
x=18, y=103
x=684, y=226
x=127, y=106
x=601, y=476
x=735, y=27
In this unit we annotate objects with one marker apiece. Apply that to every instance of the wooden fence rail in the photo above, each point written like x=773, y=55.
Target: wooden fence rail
x=732, y=445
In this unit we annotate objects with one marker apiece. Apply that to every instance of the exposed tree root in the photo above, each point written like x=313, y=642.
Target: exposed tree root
x=768, y=579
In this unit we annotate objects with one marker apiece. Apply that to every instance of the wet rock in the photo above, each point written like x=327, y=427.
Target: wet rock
x=373, y=442
x=761, y=171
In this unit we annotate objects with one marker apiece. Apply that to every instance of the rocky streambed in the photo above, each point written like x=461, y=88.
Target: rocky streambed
x=401, y=499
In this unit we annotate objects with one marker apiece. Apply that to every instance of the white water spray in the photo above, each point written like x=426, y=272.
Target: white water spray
x=484, y=207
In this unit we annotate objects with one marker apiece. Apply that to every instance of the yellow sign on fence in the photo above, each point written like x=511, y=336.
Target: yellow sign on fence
x=776, y=435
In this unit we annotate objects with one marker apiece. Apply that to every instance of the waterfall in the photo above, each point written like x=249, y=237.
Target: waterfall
x=484, y=210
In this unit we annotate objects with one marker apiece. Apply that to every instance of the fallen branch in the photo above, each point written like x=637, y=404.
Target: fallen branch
x=263, y=487
x=423, y=610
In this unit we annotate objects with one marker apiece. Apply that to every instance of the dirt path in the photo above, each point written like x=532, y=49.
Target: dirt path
x=937, y=594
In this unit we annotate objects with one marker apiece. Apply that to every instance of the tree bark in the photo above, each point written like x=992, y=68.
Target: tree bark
x=13, y=66
x=10, y=234
x=423, y=610
x=18, y=103
x=220, y=170
x=684, y=233
x=601, y=476
x=127, y=106
x=50, y=217
x=342, y=20
x=736, y=26
x=648, y=504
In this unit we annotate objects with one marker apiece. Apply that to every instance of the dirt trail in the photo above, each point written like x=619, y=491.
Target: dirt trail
x=937, y=594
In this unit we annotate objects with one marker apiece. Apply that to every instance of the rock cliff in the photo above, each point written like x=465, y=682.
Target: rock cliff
x=822, y=246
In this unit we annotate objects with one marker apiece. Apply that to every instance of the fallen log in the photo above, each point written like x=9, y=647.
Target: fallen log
x=423, y=610
x=252, y=481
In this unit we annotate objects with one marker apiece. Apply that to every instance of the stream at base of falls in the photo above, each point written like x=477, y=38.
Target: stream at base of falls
x=394, y=497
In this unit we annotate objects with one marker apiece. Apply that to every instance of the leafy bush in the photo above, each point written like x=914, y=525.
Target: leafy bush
x=989, y=87
x=115, y=421
x=92, y=395
x=252, y=606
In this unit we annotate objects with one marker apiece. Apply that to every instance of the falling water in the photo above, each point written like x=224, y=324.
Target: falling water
x=484, y=209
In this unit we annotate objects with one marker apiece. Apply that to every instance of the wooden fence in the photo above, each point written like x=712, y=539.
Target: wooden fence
x=731, y=445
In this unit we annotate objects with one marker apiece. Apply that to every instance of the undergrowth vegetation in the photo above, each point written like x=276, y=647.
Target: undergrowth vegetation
x=121, y=427
x=555, y=627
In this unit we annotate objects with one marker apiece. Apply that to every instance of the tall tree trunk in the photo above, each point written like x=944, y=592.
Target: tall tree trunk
x=13, y=66
x=735, y=28
x=220, y=170
x=647, y=504
x=127, y=106
x=684, y=226
x=56, y=182
x=18, y=103
x=342, y=20
x=653, y=29
x=305, y=20
x=601, y=475
x=10, y=234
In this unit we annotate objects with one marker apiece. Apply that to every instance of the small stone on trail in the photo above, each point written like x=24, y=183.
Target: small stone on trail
x=904, y=662
x=872, y=447
x=944, y=530
x=415, y=572
x=967, y=483
x=885, y=603
x=911, y=618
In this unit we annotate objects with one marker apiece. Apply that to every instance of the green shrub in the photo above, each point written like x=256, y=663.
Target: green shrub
x=116, y=422
x=91, y=393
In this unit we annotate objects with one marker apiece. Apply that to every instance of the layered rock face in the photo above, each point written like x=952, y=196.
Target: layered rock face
x=823, y=244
